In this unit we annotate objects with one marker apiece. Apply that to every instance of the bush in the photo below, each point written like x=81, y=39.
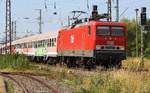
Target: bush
x=13, y=62
x=147, y=52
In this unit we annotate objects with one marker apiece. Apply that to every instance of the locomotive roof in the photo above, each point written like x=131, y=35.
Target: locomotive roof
x=93, y=22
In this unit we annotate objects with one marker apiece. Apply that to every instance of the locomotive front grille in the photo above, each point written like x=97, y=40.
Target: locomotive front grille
x=109, y=47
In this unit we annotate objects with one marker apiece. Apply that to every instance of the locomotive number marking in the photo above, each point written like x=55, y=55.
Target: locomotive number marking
x=72, y=39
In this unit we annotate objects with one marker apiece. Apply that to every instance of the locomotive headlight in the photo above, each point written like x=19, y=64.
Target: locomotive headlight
x=98, y=47
x=122, y=48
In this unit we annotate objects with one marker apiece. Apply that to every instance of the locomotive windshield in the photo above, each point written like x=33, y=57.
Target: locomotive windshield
x=103, y=30
x=117, y=31
x=110, y=30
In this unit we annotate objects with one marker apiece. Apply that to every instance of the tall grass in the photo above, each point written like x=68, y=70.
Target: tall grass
x=117, y=82
x=113, y=81
x=13, y=62
x=134, y=63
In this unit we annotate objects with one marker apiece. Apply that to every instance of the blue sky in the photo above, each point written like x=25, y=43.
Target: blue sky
x=27, y=8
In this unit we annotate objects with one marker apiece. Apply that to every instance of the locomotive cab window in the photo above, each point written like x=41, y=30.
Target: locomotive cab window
x=103, y=30
x=117, y=31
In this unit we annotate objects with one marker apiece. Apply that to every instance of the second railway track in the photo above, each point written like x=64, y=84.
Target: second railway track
x=29, y=83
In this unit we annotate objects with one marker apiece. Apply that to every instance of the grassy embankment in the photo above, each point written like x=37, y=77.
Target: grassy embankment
x=114, y=81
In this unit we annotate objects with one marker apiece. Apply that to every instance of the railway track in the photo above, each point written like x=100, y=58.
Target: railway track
x=18, y=76
x=26, y=82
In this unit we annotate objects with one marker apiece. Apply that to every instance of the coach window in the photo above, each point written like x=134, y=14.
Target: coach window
x=19, y=45
x=31, y=44
x=22, y=45
x=41, y=43
x=25, y=45
x=28, y=45
x=16, y=46
x=38, y=44
x=55, y=39
x=52, y=42
x=35, y=44
x=44, y=42
x=47, y=43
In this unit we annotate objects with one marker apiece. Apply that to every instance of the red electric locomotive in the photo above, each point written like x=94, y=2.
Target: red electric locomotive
x=93, y=43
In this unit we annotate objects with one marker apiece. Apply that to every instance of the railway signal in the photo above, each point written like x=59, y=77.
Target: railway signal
x=143, y=16
x=143, y=24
